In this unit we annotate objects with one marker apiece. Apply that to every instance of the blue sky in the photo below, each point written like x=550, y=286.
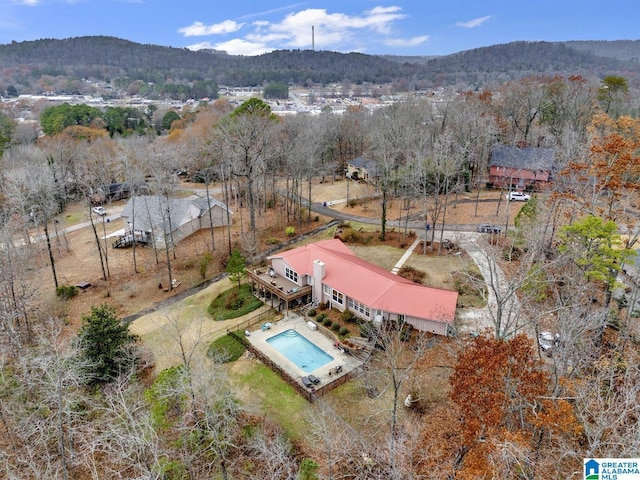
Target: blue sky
x=400, y=27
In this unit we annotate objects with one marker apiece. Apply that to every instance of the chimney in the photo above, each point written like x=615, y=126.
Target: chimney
x=318, y=269
x=318, y=275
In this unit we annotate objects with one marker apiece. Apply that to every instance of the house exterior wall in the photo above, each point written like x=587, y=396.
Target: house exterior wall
x=519, y=177
x=438, y=328
x=186, y=229
x=278, y=266
x=422, y=324
x=357, y=173
x=218, y=218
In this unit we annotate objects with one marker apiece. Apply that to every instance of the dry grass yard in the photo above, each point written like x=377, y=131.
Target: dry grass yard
x=76, y=258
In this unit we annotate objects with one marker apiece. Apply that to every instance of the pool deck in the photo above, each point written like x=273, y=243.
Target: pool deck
x=258, y=338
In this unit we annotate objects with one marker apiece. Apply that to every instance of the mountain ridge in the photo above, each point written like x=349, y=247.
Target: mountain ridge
x=113, y=59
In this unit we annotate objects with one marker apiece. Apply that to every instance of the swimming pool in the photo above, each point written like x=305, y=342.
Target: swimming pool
x=299, y=350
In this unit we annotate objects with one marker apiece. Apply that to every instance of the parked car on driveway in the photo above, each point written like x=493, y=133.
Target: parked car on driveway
x=548, y=342
x=100, y=210
x=518, y=197
x=488, y=228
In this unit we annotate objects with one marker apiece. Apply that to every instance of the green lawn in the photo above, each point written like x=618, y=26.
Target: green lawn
x=259, y=385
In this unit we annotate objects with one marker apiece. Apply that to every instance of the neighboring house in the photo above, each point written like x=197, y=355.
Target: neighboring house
x=113, y=192
x=328, y=271
x=172, y=219
x=521, y=168
x=362, y=169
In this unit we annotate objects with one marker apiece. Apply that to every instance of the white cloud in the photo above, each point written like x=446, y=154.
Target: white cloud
x=30, y=3
x=476, y=22
x=332, y=31
x=199, y=29
x=236, y=46
x=407, y=42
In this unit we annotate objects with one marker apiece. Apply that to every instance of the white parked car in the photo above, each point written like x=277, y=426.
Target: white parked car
x=99, y=211
x=518, y=197
x=548, y=342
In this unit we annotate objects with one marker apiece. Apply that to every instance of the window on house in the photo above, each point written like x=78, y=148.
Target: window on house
x=327, y=289
x=291, y=274
x=338, y=297
x=359, y=307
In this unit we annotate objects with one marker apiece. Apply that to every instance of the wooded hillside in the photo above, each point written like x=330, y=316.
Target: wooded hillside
x=112, y=59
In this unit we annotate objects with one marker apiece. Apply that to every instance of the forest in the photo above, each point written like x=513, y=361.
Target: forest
x=490, y=405
x=153, y=71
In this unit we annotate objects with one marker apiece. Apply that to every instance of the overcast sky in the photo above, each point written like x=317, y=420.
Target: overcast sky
x=401, y=27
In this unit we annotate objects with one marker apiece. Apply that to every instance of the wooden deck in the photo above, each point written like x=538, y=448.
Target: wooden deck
x=278, y=286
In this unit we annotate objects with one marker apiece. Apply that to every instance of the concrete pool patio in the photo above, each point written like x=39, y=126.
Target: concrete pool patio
x=326, y=373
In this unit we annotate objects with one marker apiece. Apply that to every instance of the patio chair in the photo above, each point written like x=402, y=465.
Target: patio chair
x=314, y=379
x=306, y=382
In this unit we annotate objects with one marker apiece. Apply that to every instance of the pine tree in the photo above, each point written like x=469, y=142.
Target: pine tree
x=236, y=266
x=106, y=344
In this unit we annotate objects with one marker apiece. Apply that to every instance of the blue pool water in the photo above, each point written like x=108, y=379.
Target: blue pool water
x=299, y=350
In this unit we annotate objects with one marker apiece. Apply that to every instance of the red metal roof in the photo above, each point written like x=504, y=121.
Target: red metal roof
x=370, y=284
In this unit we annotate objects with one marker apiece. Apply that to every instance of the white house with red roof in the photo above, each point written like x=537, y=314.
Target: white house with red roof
x=339, y=277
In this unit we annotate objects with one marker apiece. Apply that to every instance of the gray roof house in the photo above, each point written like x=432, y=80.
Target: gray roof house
x=519, y=168
x=162, y=219
x=362, y=168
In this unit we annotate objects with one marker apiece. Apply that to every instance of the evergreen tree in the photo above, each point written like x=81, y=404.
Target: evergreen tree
x=236, y=266
x=106, y=344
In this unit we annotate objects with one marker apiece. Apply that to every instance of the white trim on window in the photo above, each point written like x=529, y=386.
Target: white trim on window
x=291, y=274
x=359, y=307
x=337, y=297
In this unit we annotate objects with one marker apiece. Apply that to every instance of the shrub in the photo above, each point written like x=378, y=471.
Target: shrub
x=312, y=312
x=204, y=264
x=511, y=253
x=233, y=301
x=240, y=298
x=410, y=273
x=226, y=349
x=321, y=317
x=348, y=316
x=308, y=469
x=327, y=322
x=165, y=400
x=468, y=283
x=335, y=326
x=343, y=331
x=66, y=292
x=405, y=333
x=272, y=241
x=290, y=231
x=316, y=218
x=351, y=236
x=367, y=329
